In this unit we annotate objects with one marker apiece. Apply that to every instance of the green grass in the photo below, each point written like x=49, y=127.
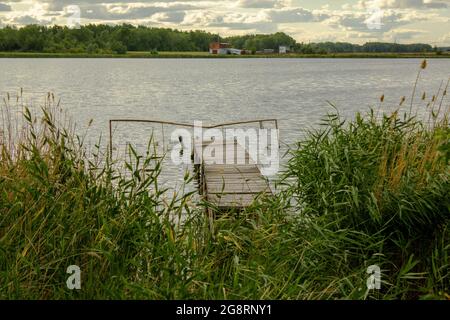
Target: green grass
x=379, y=193
x=366, y=191
x=181, y=54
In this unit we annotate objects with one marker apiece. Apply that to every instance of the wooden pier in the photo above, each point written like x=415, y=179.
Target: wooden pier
x=227, y=184
x=234, y=183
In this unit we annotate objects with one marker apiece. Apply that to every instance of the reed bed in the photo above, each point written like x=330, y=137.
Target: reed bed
x=370, y=191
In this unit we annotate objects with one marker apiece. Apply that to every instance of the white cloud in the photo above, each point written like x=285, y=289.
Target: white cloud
x=295, y=15
x=346, y=21
x=258, y=3
x=403, y=4
x=4, y=7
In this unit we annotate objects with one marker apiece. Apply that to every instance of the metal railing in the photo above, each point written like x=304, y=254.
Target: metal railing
x=162, y=123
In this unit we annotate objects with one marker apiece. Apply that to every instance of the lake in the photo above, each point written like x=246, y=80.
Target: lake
x=295, y=91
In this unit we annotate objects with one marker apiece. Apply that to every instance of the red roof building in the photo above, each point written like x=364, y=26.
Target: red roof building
x=219, y=47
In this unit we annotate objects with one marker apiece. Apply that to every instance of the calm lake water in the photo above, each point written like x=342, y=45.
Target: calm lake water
x=295, y=91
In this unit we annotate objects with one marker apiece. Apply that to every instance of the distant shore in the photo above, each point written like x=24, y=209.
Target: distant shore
x=193, y=55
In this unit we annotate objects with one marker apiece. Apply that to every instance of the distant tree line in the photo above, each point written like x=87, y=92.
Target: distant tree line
x=122, y=38
x=102, y=39
x=260, y=42
x=345, y=47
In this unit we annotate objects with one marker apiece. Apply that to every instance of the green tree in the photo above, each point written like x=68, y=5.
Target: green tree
x=118, y=47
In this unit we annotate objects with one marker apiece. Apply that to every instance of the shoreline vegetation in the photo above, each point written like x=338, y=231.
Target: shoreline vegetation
x=206, y=55
x=131, y=41
x=372, y=191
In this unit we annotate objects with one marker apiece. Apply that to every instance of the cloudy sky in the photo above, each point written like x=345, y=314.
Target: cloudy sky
x=358, y=21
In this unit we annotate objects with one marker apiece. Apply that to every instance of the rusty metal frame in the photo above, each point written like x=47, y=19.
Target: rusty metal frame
x=227, y=124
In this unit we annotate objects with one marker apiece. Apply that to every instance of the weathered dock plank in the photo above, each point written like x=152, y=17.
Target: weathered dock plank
x=234, y=182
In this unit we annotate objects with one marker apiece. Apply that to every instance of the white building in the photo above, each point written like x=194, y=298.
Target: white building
x=234, y=51
x=283, y=49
